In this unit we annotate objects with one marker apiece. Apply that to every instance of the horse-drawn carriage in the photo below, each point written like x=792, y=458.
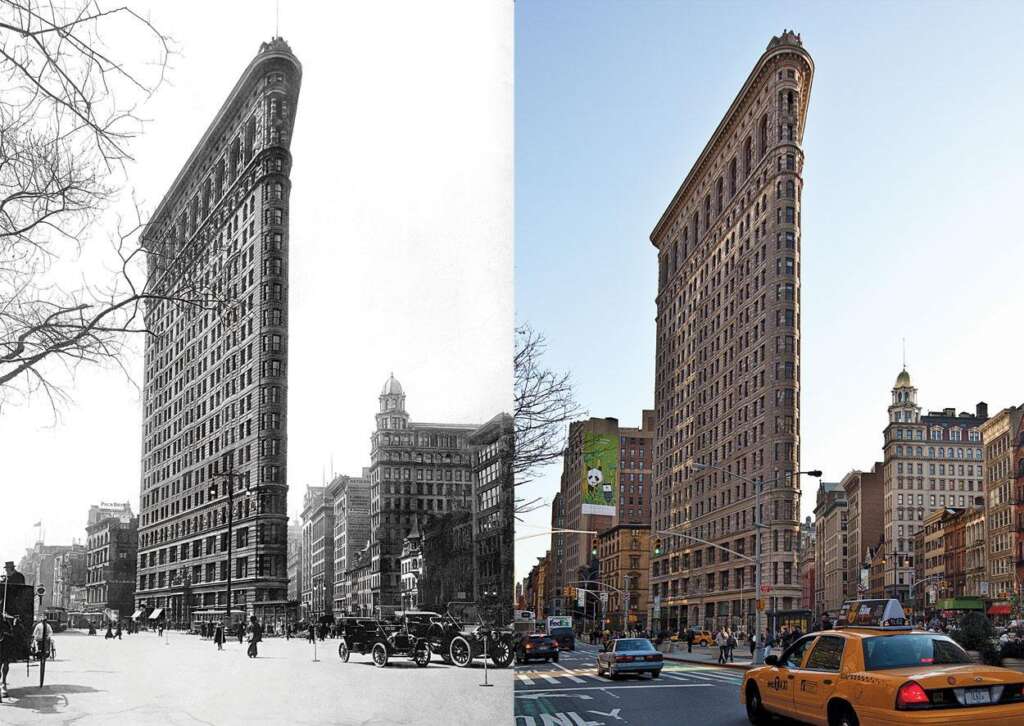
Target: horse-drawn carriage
x=21, y=638
x=382, y=639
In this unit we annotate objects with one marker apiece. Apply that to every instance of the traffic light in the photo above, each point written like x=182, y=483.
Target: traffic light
x=593, y=551
x=657, y=547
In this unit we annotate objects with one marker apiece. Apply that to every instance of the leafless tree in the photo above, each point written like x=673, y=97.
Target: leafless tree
x=73, y=278
x=544, y=407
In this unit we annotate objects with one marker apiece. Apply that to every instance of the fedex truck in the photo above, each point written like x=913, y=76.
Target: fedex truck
x=560, y=628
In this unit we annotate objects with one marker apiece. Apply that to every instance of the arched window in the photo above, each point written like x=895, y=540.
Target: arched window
x=748, y=157
x=707, y=212
x=789, y=102
x=763, y=136
x=719, y=192
x=250, y=139
x=791, y=194
x=732, y=181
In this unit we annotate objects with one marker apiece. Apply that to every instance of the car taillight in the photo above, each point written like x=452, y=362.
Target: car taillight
x=654, y=657
x=555, y=646
x=623, y=659
x=912, y=696
x=529, y=646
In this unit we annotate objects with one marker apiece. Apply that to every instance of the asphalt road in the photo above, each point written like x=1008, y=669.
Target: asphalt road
x=570, y=693
x=181, y=680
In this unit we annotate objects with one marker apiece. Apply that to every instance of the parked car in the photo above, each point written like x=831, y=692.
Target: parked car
x=702, y=637
x=382, y=639
x=536, y=646
x=460, y=635
x=629, y=655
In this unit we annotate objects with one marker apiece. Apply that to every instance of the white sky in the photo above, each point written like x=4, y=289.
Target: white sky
x=401, y=241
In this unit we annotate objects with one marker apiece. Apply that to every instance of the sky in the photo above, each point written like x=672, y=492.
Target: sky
x=912, y=180
x=401, y=242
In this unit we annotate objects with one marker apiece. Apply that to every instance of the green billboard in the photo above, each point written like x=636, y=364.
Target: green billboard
x=600, y=473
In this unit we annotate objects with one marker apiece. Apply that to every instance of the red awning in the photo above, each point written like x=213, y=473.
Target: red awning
x=999, y=610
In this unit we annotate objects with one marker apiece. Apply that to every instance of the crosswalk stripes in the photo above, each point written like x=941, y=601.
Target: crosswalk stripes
x=565, y=676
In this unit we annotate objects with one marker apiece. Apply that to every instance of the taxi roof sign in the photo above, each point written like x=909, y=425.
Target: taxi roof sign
x=879, y=614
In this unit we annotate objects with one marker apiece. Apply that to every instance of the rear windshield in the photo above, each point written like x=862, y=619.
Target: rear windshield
x=560, y=632
x=633, y=644
x=907, y=651
x=539, y=637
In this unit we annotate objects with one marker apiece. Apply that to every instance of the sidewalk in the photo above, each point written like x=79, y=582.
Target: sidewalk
x=707, y=656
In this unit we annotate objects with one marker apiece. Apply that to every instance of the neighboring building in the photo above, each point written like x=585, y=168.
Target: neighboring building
x=358, y=578
x=113, y=550
x=606, y=481
x=351, y=533
x=975, y=555
x=1001, y=435
x=625, y=563
x=103, y=510
x=876, y=572
x=37, y=566
x=215, y=386
x=931, y=462
x=831, y=548
x=934, y=581
x=558, y=600
x=412, y=568
x=806, y=564
x=446, y=569
x=317, y=552
x=864, y=501
x=69, y=573
x=493, y=523
x=294, y=561
x=418, y=471
x=727, y=367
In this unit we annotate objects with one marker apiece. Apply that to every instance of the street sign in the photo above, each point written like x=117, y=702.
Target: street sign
x=657, y=606
x=604, y=599
x=983, y=587
x=766, y=589
x=760, y=603
x=581, y=597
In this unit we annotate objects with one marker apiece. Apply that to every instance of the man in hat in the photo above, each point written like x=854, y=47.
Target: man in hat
x=13, y=576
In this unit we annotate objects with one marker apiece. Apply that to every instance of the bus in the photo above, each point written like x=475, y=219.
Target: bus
x=57, y=617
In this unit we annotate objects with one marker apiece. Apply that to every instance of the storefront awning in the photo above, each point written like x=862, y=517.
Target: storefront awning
x=155, y=615
x=136, y=614
x=999, y=609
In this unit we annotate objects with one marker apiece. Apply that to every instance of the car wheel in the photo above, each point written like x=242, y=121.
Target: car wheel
x=343, y=652
x=554, y=658
x=501, y=654
x=655, y=674
x=460, y=652
x=600, y=670
x=843, y=716
x=379, y=655
x=421, y=657
x=755, y=708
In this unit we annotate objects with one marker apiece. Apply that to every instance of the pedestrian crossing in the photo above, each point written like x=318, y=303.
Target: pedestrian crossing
x=566, y=676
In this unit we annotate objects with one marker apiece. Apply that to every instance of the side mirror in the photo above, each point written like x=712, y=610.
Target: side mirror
x=772, y=660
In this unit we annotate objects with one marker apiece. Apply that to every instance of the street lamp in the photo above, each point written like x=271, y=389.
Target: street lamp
x=230, y=476
x=758, y=525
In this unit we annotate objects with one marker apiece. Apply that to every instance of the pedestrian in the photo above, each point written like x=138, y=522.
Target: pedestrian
x=218, y=636
x=288, y=632
x=311, y=634
x=721, y=639
x=109, y=634
x=730, y=644
x=690, y=635
x=255, y=636
x=240, y=632
x=753, y=642
x=118, y=630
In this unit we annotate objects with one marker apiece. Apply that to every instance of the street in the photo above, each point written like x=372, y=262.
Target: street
x=183, y=680
x=570, y=693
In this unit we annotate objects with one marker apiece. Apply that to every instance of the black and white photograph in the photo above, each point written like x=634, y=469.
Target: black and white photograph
x=256, y=341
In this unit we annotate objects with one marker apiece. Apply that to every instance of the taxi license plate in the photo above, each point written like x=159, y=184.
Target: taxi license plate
x=977, y=696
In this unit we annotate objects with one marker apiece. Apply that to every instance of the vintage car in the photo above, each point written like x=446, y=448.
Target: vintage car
x=629, y=655
x=382, y=639
x=460, y=635
x=874, y=669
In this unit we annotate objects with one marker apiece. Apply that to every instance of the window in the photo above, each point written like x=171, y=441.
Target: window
x=794, y=656
x=827, y=654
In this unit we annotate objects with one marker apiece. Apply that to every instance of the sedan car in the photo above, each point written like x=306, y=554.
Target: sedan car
x=536, y=646
x=883, y=674
x=629, y=655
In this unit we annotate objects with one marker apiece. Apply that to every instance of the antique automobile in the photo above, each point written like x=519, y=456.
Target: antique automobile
x=382, y=639
x=460, y=635
x=18, y=632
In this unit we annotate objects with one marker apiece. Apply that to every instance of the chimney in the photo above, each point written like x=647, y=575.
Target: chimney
x=981, y=410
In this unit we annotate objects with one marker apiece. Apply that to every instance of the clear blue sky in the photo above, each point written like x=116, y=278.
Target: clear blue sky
x=912, y=197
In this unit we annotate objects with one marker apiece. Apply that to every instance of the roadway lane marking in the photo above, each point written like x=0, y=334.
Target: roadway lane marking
x=572, y=677
x=542, y=691
x=525, y=679
x=546, y=677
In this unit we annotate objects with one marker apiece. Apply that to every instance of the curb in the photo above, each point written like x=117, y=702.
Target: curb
x=735, y=666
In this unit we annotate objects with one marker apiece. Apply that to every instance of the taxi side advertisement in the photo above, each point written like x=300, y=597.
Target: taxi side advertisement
x=600, y=473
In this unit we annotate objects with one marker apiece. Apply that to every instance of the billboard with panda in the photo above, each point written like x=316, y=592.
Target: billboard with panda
x=600, y=473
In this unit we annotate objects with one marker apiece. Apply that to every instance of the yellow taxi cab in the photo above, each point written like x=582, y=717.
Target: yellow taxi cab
x=700, y=637
x=873, y=670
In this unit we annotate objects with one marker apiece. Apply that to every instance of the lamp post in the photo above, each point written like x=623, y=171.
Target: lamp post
x=230, y=476
x=758, y=525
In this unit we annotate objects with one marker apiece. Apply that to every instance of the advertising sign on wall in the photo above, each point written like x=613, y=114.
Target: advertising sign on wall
x=600, y=473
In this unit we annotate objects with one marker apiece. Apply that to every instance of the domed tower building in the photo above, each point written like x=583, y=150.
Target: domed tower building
x=931, y=461
x=419, y=473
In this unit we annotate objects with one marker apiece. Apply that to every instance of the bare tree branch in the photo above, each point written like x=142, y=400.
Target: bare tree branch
x=544, y=407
